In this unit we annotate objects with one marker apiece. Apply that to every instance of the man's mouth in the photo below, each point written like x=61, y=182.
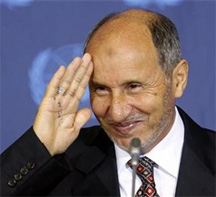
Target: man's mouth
x=126, y=128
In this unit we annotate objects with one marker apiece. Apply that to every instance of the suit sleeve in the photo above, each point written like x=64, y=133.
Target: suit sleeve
x=28, y=169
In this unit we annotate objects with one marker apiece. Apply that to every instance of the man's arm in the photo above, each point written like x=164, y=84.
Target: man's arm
x=27, y=167
x=35, y=163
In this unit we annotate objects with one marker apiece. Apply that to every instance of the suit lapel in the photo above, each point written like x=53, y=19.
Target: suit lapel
x=97, y=167
x=107, y=172
x=195, y=177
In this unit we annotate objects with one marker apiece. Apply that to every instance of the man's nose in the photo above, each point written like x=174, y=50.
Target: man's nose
x=119, y=108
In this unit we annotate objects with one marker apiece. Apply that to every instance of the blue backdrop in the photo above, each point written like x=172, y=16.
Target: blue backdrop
x=38, y=36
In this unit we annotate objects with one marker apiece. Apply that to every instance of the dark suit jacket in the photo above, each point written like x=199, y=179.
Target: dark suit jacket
x=88, y=168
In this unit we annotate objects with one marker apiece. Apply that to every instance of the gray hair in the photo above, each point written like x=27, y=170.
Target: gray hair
x=164, y=35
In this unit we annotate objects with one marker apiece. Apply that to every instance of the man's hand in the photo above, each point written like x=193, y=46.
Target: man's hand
x=58, y=121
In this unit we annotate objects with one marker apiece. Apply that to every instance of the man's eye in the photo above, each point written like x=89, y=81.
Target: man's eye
x=134, y=86
x=101, y=90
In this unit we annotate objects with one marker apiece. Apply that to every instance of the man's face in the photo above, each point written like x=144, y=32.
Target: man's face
x=130, y=95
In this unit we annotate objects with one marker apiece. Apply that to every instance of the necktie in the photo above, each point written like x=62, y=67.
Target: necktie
x=145, y=172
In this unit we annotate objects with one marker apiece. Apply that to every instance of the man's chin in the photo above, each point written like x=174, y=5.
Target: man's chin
x=123, y=142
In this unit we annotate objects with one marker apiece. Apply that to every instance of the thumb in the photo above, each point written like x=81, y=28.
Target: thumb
x=82, y=116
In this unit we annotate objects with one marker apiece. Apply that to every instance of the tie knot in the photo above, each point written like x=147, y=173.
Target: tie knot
x=144, y=167
x=144, y=161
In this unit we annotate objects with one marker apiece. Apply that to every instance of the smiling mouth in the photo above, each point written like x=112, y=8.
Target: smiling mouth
x=126, y=129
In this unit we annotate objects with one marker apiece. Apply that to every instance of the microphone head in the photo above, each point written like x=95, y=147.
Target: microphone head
x=135, y=150
x=135, y=142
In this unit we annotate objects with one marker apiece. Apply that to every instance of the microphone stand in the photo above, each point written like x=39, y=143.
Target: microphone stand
x=135, y=150
x=133, y=180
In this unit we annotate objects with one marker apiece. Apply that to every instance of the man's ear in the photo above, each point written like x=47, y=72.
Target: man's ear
x=179, y=78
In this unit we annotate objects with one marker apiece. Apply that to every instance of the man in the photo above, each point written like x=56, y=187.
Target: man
x=135, y=68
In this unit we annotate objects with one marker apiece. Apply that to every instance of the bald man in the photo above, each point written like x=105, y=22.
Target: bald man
x=135, y=70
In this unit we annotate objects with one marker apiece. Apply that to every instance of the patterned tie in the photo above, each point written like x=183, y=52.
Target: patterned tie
x=145, y=172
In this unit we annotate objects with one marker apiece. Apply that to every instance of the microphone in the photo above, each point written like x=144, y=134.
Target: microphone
x=135, y=151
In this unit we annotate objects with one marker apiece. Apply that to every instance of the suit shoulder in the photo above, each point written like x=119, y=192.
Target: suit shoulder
x=201, y=141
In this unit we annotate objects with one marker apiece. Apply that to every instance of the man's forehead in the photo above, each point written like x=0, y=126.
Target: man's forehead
x=123, y=42
x=131, y=26
x=133, y=16
x=119, y=42
x=127, y=40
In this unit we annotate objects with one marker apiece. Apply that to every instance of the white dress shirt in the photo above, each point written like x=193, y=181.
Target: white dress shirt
x=166, y=155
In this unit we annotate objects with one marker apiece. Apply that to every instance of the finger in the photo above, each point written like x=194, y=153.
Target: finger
x=70, y=101
x=84, y=83
x=81, y=118
x=69, y=74
x=73, y=98
x=85, y=68
x=54, y=82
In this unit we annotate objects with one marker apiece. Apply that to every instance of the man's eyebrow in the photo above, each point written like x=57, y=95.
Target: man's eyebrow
x=125, y=83
x=132, y=81
x=95, y=83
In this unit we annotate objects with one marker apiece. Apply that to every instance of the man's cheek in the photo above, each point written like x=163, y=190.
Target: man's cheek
x=99, y=107
x=147, y=103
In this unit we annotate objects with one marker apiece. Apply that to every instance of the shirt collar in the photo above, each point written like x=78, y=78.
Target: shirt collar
x=167, y=153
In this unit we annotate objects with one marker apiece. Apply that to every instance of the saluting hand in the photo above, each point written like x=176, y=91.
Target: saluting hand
x=58, y=121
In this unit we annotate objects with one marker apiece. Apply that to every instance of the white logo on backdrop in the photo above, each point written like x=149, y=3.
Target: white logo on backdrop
x=16, y=3
x=46, y=63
